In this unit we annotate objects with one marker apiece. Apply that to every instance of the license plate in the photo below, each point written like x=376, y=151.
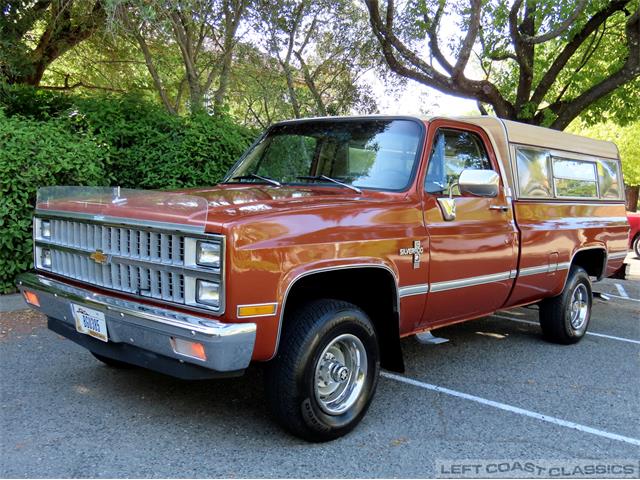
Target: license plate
x=90, y=322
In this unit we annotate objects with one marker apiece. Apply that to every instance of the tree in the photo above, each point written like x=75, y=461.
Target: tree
x=34, y=33
x=256, y=93
x=202, y=32
x=627, y=138
x=103, y=62
x=322, y=51
x=542, y=62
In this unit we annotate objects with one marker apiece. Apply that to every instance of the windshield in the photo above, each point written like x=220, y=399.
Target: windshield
x=376, y=154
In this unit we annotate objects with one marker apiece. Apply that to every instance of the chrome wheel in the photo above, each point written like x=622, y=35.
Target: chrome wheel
x=340, y=374
x=579, y=306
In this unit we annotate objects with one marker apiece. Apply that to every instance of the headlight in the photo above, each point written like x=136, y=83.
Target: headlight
x=45, y=229
x=208, y=293
x=208, y=254
x=45, y=258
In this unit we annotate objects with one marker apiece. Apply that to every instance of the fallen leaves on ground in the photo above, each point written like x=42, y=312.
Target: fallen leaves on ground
x=21, y=323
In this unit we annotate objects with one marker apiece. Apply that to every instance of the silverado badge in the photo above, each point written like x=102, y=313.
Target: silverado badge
x=99, y=257
x=416, y=251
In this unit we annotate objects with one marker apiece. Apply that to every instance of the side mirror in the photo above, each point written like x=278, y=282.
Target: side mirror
x=479, y=183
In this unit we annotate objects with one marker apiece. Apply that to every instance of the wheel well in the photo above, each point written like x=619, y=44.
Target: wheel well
x=372, y=289
x=592, y=260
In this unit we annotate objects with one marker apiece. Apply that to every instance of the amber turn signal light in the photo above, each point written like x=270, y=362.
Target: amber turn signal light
x=31, y=298
x=256, y=310
x=188, y=349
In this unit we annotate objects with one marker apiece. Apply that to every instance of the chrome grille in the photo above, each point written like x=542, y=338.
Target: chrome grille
x=137, y=260
x=140, y=280
x=123, y=242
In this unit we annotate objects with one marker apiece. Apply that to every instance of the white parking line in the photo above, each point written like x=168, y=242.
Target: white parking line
x=594, y=334
x=623, y=298
x=511, y=408
x=621, y=290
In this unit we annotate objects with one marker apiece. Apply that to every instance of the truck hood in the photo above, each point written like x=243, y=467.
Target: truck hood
x=204, y=209
x=229, y=203
x=181, y=211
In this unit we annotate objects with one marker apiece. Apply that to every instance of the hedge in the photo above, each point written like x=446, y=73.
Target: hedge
x=51, y=138
x=34, y=153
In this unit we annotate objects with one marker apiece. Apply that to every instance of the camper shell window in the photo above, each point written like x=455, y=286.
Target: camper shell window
x=550, y=174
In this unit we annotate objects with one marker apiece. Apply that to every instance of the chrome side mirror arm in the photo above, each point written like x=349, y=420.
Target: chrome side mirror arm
x=448, y=204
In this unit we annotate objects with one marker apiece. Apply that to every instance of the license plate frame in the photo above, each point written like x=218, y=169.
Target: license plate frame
x=90, y=322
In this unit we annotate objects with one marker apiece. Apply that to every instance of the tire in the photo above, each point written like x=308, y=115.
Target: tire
x=636, y=245
x=322, y=381
x=565, y=319
x=110, y=362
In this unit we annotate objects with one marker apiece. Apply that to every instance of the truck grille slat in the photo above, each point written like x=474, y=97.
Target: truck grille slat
x=138, y=261
x=123, y=242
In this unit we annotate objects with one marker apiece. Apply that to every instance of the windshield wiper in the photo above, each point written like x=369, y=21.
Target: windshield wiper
x=259, y=177
x=329, y=179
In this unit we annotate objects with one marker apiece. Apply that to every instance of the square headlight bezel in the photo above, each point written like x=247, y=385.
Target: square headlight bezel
x=214, y=304
x=45, y=226
x=199, y=249
x=43, y=258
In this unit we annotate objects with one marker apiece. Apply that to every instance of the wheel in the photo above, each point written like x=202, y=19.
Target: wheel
x=636, y=245
x=564, y=319
x=113, y=363
x=321, y=382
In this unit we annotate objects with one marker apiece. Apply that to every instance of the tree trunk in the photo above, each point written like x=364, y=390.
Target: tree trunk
x=293, y=97
x=196, y=98
x=61, y=34
x=631, y=197
x=321, y=109
x=233, y=12
x=225, y=74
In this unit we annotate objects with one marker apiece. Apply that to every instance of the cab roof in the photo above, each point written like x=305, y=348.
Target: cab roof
x=524, y=134
x=505, y=132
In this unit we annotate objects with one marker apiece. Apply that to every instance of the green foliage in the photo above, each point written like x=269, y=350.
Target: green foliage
x=35, y=153
x=35, y=34
x=36, y=104
x=597, y=58
x=111, y=63
x=542, y=62
x=627, y=138
x=152, y=149
x=323, y=47
x=56, y=139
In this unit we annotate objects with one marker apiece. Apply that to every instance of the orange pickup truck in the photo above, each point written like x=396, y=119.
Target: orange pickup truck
x=329, y=241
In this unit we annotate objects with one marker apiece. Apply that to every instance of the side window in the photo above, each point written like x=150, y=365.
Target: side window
x=574, y=178
x=609, y=180
x=533, y=173
x=545, y=174
x=454, y=151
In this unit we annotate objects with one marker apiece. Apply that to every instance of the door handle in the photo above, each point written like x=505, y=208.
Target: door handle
x=500, y=208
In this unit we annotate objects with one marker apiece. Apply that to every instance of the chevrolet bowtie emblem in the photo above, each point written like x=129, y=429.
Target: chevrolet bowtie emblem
x=417, y=250
x=99, y=257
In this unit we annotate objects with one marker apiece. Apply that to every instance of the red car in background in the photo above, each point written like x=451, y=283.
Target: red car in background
x=634, y=233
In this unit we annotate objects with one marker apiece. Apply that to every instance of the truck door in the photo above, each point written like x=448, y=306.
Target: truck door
x=473, y=254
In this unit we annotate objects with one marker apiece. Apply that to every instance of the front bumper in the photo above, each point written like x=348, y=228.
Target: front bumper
x=141, y=334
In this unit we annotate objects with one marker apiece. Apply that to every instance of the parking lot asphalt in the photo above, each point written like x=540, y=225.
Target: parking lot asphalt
x=495, y=390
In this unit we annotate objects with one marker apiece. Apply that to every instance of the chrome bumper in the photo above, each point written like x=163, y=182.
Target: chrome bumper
x=228, y=346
